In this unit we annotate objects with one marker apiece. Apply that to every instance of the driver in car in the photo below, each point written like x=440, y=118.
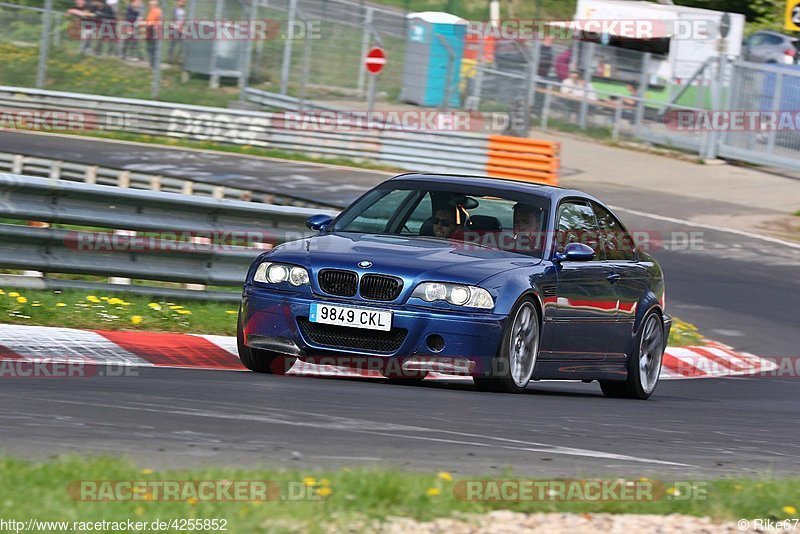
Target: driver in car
x=444, y=224
x=527, y=227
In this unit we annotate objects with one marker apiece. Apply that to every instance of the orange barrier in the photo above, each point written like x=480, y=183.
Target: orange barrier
x=518, y=158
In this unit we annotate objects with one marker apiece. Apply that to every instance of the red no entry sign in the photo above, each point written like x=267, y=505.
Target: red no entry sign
x=375, y=60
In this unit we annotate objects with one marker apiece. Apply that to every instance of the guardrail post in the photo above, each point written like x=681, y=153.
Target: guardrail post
x=90, y=176
x=55, y=170
x=188, y=188
x=219, y=192
x=124, y=179
x=155, y=183
x=120, y=280
x=17, y=163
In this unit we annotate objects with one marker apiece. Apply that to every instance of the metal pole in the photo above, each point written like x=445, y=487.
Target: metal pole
x=371, y=95
x=548, y=97
x=362, y=69
x=44, y=44
x=588, y=54
x=644, y=78
x=157, y=67
x=451, y=59
x=306, y=66
x=287, y=47
x=248, y=51
x=213, y=81
x=532, y=76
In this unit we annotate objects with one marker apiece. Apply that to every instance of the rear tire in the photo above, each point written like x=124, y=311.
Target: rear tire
x=513, y=366
x=644, y=368
x=258, y=360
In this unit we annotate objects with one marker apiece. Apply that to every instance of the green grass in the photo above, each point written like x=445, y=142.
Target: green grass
x=82, y=309
x=118, y=311
x=354, y=497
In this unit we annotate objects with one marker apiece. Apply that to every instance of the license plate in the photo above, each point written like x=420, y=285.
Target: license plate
x=353, y=317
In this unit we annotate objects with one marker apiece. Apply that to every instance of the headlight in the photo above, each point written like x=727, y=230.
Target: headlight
x=468, y=296
x=275, y=273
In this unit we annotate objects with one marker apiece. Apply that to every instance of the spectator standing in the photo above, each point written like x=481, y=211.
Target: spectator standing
x=133, y=17
x=545, y=57
x=562, y=64
x=81, y=14
x=105, y=22
x=153, y=25
x=178, y=19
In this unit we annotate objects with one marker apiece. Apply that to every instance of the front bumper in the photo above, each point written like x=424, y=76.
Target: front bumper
x=272, y=321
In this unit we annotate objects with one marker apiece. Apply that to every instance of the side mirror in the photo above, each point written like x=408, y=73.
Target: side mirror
x=319, y=222
x=575, y=252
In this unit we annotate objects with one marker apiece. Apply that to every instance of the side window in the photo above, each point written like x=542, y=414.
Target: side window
x=577, y=224
x=618, y=243
x=772, y=40
x=421, y=213
x=755, y=39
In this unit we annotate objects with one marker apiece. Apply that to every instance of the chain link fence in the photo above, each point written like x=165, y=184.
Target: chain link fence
x=314, y=53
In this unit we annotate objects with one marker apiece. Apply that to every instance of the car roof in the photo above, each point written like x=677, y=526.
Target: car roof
x=503, y=184
x=778, y=34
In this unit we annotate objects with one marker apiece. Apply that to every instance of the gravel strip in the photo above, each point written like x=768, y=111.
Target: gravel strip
x=503, y=521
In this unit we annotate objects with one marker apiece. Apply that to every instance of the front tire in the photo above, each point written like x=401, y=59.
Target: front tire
x=643, y=370
x=258, y=360
x=512, y=367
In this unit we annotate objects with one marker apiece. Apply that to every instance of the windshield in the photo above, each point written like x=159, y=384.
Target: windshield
x=468, y=215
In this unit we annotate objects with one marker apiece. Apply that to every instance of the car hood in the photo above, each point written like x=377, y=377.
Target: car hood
x=412, y=258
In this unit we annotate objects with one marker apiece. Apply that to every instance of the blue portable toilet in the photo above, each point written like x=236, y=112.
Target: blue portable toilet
x=427, y=57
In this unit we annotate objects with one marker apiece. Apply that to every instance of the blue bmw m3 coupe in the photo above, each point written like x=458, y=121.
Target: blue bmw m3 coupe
x=505, y=281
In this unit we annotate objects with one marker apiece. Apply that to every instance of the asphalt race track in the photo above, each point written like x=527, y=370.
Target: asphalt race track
x=740, y=290
x=169, y=417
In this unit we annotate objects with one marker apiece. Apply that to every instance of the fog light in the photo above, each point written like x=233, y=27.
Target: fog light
x=435, y=343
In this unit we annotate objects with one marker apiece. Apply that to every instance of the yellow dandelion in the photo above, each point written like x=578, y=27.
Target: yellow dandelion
x=139, y=510
x=92, y=298
x=114, y=300
x=324, y=491
x=22, y=300
x=310, y=481
x=433, y=492
x=191, y=500
x=136, y=319
x=35, y=304
x=444, y=475
x=789, y=510
x=104, y=298
x=13, y=294
x=324, y=482
x=231, y=312
x=175, y=307
x=147, y=471
x=2, y=292
x=60, y=304
x=184, y=312
x=673, y=491
x=154, y=306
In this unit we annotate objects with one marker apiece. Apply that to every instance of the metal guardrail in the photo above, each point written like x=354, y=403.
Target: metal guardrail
x=188, y=247
x=447, y=152
x=58, y=169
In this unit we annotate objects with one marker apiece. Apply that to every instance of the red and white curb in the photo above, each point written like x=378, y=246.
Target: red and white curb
x=160, y=349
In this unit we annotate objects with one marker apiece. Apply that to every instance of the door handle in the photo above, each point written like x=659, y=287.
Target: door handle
x=613, y=277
